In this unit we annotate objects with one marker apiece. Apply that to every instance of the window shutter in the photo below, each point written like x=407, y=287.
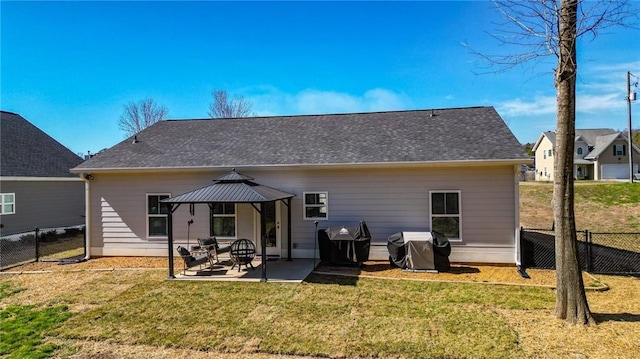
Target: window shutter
x=624, y=150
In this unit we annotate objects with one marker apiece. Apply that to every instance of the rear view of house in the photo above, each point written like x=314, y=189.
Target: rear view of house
x=448, y=170
x=36, y=187
x=600, y=154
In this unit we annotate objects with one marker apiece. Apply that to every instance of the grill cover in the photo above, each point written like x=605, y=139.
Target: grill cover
x=419, y=251
x=345, y=244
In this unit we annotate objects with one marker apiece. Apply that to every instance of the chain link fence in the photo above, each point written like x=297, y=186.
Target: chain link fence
x=50, y=244
x=607, y=253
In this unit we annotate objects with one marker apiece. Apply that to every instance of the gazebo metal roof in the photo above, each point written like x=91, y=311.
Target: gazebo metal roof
x=232, y=187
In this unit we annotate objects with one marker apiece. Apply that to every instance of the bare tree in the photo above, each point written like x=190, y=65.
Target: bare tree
x=542, y=28
x=138, y=116
x=223, y=107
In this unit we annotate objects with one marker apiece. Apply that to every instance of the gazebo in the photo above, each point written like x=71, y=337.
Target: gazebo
x=232, y=187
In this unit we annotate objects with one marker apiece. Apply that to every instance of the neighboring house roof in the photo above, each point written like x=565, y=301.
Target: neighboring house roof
x=443, y=135
x=26, y=151
x=587, y=135
x=590, y=136
x=549, y=135
x=602, y=143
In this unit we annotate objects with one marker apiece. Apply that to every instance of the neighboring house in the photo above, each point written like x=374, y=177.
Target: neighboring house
x=451, y=170
x=36, y=187
x=600, y=154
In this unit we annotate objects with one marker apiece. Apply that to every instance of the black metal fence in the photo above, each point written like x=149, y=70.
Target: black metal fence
x=60, y=245
x=612, y=253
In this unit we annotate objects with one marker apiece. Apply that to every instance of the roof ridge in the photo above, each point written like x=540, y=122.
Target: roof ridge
x=10, y=113
x=333, y=114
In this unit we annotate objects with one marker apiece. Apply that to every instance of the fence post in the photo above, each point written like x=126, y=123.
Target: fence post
x=587, y=240
x=37, y=244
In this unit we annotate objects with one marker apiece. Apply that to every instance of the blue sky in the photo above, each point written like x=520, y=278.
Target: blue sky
x=70, y=67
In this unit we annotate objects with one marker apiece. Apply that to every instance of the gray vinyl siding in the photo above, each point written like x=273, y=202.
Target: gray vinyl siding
x=43, y=204
x=389, y=200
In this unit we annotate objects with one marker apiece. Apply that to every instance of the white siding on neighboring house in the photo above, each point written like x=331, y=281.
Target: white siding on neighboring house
x=389, y=200
x=544, y=160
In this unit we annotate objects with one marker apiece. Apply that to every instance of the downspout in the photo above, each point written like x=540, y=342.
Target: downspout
x=289, y=229
x=87, y=223
x=516, y=197
x=87, y=217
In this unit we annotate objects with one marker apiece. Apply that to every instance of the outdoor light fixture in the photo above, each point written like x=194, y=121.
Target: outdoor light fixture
x=88, y=176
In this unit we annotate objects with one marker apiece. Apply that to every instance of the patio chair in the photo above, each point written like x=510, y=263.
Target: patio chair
x=212, y=247
x=191, y=261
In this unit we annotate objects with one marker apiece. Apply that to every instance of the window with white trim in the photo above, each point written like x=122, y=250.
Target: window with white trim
x=446, y=214
x=157, y=226
x=619, y=150
x=7, y=203
x=223, y=220
x=316, y=205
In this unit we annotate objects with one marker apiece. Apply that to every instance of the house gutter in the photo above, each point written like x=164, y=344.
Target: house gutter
x=474, y=163
x=40, y=179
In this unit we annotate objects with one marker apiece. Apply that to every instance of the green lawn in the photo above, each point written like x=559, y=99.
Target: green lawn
x=325, y=316
x=599, y=207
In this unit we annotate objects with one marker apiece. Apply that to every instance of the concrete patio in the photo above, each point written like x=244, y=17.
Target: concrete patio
x=278, y=270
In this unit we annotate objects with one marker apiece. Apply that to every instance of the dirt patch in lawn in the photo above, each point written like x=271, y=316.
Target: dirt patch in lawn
x=488, y=274
x=496, y=274
x=105, y=263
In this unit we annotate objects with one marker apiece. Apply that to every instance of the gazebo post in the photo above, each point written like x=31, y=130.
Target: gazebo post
x=263, y=244
x=170, y=237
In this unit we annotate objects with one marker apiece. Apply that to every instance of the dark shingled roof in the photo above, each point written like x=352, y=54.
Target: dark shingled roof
x=26, y=151
x=442, y=135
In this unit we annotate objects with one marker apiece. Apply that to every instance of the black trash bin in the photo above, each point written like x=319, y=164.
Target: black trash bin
x=397, y=252
x=345, y=245
x=441, y=252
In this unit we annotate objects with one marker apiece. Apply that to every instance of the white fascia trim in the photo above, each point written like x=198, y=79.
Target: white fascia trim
x=461, y=163
x=538, y=142
x=41, y=179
